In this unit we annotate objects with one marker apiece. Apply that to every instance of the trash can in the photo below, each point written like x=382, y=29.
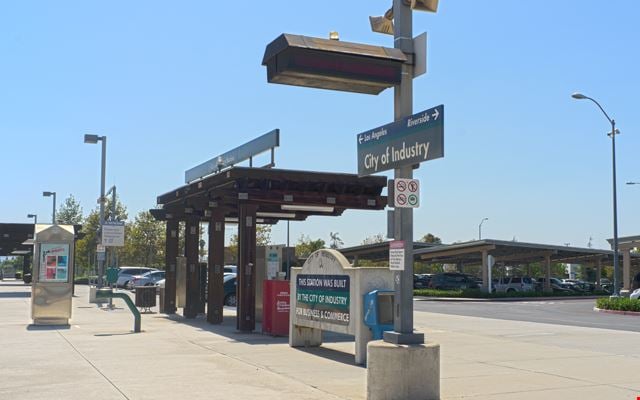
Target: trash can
x=275, y=303
x=145, y=297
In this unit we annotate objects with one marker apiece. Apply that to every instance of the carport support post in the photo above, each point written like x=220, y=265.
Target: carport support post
x=598, y=273
x=485, y=271
x=216, y=268
x=171, y=254
x=26, y=262
x=626, y=269
x=246, y=289
x=547, y=268
x=191, y=238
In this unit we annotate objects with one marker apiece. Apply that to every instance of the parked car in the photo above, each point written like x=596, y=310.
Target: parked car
x=231, y=268
x=635, y=295
x=578, y=285
x=421, y=281
x=147, y=279
x=556, y=285
x=452, y=281
x=511, y=284
x=126, y=273
x=230, y=283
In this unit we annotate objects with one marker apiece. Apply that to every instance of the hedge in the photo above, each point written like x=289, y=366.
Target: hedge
x=618, y=303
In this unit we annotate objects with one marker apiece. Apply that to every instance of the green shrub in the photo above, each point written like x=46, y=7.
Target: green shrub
x=18, y=275
x=618, y=303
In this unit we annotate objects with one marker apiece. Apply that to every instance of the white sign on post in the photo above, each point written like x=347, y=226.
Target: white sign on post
x=406, y=193
x=113, y=233
x=396, y=255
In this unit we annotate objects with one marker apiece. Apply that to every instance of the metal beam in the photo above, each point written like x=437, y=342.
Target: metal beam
x=246, y=289
x=456, y=252
x=526, y=256
x=171, y=254
x=216, y=268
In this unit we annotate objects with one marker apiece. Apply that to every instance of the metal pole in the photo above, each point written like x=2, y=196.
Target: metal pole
x=53, y=221
x=616, y=282
x=102, y=179
x=403, y=107
x=480, y=231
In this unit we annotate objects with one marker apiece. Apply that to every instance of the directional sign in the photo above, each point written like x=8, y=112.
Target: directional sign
x=113, y=233
x=406, y=193
x=408, y=141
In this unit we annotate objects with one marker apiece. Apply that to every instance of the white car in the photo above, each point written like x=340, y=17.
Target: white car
x=126, y=273
x=635, y=295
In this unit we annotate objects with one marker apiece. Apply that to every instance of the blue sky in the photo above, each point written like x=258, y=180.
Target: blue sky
x=172, y=84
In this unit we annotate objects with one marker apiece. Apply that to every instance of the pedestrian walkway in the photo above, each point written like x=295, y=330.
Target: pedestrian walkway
x=98, y=357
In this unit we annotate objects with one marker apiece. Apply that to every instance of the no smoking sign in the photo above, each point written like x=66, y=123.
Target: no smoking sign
x=406, y=193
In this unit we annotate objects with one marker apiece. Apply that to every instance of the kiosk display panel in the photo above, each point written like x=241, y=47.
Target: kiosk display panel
x=54, y=261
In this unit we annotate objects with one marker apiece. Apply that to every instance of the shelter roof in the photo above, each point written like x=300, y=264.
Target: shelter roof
x=279, y=194
x=17, y=239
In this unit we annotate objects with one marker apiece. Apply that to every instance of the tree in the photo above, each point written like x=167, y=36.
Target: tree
x=377, y=238
x=86, y=247
x=431, y=238
x=70, y=212
x=263, y=238
x=306, y=246
x=335, y=240
x=145, y=241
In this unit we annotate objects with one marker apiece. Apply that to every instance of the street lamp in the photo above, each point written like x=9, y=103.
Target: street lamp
x=480, y=228
x=614, y=131
x=633, y=183
x=35, y=218
x=50, y=194
x=94, y=139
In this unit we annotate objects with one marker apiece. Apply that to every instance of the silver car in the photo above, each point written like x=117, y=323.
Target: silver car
x=147, y=279
x=126, y=273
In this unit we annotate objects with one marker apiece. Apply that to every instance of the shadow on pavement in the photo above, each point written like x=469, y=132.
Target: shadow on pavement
x=32, y=327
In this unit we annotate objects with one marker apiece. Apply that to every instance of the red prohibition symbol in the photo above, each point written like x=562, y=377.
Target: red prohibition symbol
x=402, y=199
x=401, y=186
x=413, y=186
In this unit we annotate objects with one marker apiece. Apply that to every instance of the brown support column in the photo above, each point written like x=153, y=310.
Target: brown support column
x=216, y=268
x=626, y=269
x=598, y=273
x=170, y=254
x=192, y=235
x=26, y=266
x=547, y=268
x=246, y=289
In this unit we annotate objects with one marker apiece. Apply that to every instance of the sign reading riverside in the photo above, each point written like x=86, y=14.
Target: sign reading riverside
x=323, y=298
x=408, y=141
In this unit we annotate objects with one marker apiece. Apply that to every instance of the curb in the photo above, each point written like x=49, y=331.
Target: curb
x=506, y=299
x=619, y=312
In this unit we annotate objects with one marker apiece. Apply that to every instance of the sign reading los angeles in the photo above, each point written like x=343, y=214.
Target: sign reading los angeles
x=408, y=141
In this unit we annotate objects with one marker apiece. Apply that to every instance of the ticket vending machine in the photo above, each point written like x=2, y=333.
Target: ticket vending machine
x=52, y=286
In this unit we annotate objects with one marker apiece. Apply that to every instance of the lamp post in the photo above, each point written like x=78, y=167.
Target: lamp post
x=633, y=183
x=53, y=214
x=93, y=139
x=480, y=228
x=35, y=218
x=580, y=96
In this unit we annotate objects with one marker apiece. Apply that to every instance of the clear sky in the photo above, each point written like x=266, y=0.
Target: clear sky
x=172, y=84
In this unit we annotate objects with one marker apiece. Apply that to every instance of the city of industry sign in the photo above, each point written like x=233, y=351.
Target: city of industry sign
x=408, y=141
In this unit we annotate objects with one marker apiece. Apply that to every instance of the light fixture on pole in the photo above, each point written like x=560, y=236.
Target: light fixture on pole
x=614, y=132
x=633, y=183
x=35, y=218
x=384, y=24
x=53, y=215
x=94, y=139
x=480, y=228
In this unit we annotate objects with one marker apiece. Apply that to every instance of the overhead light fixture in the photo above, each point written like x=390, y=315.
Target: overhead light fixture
x=424, y=5
x=383, y=24
x=333, y=35
x=296, y=207
x=93, y=139
x=276, y=215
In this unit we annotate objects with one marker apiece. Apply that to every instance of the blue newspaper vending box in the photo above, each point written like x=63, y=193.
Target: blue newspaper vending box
x=378, y=312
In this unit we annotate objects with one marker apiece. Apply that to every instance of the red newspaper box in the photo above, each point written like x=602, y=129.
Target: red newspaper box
x=275, y=307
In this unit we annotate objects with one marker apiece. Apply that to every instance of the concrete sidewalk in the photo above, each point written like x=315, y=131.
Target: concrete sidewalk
x=98, y=357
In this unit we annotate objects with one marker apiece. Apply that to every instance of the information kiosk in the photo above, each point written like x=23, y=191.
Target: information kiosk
x=51, y=290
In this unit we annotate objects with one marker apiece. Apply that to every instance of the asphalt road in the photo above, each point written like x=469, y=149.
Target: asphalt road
x=558, y=312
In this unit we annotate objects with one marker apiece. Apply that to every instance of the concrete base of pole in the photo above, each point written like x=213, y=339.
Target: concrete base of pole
x=403, y=372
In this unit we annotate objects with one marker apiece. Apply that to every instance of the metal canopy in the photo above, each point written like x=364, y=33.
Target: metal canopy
x=332, y=64
x=17, y=239
x=378, y=251
x=279, y=194
x=509, y=252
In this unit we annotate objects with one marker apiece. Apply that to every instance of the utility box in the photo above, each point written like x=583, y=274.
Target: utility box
x=378, y=312
x=276, y=302
x=327, y=293
x=52, y=288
